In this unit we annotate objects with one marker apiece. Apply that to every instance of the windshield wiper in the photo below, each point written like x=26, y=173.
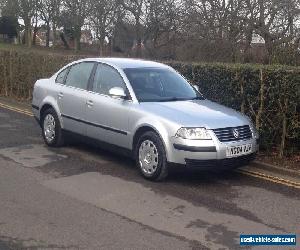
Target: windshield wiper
x=173, y=99
x=198, y=98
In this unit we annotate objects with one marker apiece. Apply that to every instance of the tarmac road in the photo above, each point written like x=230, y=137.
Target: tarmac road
x=83, y=197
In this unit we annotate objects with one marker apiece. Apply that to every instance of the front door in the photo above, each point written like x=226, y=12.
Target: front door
x=108, y=117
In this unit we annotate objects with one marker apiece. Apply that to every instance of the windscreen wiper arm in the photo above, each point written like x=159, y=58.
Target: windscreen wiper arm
x=198, y=98
x=172, y=99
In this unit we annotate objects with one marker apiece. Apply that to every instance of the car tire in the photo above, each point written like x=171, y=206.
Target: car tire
x=151, y=157
x=51, y=129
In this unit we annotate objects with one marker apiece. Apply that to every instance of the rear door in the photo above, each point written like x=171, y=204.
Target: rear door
x=108, y=116
x=72, y=97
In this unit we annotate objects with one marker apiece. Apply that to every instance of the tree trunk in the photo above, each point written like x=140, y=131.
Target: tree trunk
x=77, y=44
x=284, y=130
x=139, y=48
x=261, y=100
x=247, y=50
x=233, y=53
x=77, y=37
x=11, y=74
x=270, y=49
x=54, y=35
x=101, y=47
x=48, y=35
x=63, y=38
x=138, y=52
x=243, y=103
x=111, y=45
x=28, y=38
x=35, y=30
x=19, y=38
x=4, y=63
x=102, y=35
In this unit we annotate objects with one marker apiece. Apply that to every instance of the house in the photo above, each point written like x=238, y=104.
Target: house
x=257, y=39
x=258, y=50
x=86, y=37
x=8, y=29
x=41, y=38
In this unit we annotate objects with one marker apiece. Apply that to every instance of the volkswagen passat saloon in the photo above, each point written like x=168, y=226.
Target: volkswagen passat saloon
x=144, y=108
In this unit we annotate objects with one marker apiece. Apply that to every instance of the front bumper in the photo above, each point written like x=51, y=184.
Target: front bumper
x=36, y=112
x=228, y=163
x=208, y=153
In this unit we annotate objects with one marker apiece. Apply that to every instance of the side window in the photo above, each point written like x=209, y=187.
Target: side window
x=79, y=75
x=107, y=78
x=61, y=76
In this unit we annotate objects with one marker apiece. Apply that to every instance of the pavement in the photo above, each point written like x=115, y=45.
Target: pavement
x=84, y=197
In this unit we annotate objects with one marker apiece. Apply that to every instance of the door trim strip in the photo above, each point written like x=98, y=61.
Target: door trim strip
x=95, y=125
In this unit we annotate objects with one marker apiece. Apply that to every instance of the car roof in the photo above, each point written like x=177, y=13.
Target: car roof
x=126, y=63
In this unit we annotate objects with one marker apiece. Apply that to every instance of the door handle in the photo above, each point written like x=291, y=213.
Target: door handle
x=90, y=103
x=60, y=95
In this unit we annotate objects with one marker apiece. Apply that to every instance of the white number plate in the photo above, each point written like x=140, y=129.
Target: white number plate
x=238, y=150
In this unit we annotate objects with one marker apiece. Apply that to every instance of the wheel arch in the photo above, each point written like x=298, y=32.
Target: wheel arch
x=45, y=107
x=145, y=128
x=50, y=104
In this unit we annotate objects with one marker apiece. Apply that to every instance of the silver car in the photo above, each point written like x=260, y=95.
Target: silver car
x=146, y=109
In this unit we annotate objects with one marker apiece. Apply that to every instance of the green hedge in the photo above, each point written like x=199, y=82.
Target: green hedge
x=270, y=95
x=20, y=70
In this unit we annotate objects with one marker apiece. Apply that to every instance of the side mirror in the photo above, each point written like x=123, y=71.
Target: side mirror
x=196, y=87
x=117, y=92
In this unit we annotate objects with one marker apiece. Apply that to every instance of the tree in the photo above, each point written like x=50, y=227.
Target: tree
x=275, y=21
x=102, y=19
x=217, y=26
x=55, y=18
x=49, y=11
x=78, y=11
x=9, y=8
x=161, y=25
x=136, y=8
x=27, y=10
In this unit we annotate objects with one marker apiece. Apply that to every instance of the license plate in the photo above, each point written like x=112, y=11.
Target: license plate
x=238, y=150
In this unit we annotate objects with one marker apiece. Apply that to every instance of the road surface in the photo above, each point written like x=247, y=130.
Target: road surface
x=83, y=197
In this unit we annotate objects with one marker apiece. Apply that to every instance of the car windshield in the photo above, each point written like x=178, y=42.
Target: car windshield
x=160, y=85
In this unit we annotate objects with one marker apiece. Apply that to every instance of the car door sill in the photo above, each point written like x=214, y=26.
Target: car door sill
x=98, y=143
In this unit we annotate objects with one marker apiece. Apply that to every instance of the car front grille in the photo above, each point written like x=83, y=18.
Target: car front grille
x=230, y=134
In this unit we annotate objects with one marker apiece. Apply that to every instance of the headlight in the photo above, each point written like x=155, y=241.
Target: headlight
x=253, y=129
x=193, y=134
x=255, y=132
